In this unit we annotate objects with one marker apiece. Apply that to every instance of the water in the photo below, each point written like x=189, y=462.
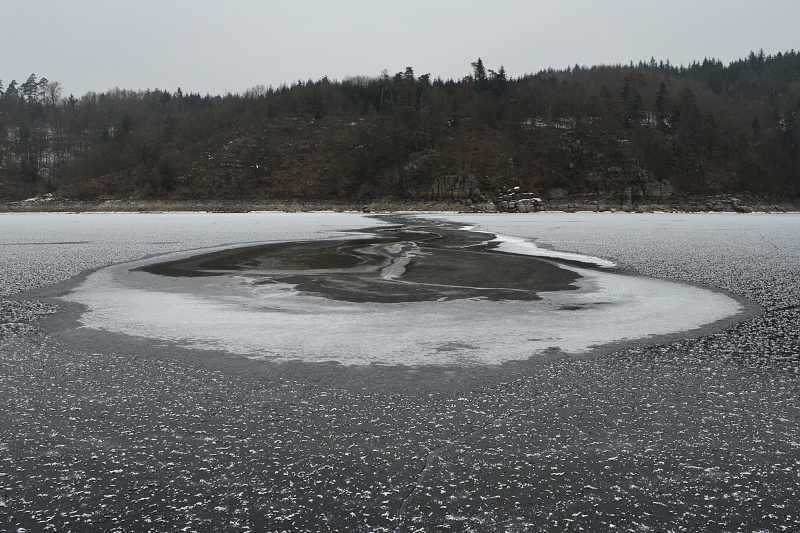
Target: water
x=421, y=294
x=696, y=434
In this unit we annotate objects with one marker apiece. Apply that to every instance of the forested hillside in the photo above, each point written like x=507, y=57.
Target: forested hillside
x=635, y=134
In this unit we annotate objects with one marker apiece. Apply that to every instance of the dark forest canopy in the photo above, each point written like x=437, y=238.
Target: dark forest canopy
x=705, y=128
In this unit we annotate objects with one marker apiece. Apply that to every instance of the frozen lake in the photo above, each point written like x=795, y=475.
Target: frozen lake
x=406, y=292
x=110, y=421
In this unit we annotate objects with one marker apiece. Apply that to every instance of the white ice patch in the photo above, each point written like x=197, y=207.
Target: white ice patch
x=404, y=253
x=275, y=322
x=520, y=246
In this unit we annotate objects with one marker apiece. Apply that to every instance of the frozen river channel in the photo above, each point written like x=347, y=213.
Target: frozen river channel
x=463, y=372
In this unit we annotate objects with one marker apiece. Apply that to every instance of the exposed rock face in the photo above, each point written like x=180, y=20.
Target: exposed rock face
x=618, y=176
x=423, y=179
x=728, y=203
x=464, y=189
x=455, y=188
x=516, y=201
x=654, y=190
x=645, y=190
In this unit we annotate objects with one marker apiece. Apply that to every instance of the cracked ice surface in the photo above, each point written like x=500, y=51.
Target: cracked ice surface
x=699, y=434
x=276, y=322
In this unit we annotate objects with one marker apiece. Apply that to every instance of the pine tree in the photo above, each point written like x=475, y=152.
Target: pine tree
x=480, y=77
x=662, y=97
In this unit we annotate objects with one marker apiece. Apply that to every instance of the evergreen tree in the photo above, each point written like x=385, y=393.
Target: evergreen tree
x=126, y=123
x=499, y=82
x=662, y=97
x=479, y=76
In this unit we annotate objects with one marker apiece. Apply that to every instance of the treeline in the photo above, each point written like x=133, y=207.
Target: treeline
x=705, y=127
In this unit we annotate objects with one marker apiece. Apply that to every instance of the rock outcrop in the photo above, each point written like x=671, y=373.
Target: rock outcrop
x=464, y=189
x=618, y=178
x=458, y=188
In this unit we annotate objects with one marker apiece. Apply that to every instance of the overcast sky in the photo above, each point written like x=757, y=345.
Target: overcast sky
x=229, y=46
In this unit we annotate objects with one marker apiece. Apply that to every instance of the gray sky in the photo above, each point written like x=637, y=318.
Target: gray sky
x=214, y=46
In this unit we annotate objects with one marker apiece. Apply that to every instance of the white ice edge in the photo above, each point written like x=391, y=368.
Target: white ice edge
x=276, y=322
x=521, y=246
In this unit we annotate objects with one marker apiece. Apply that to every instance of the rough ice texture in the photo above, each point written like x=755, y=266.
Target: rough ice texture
x=45, y=248
x=682, y=246
x=701, y=434
x=275, y=322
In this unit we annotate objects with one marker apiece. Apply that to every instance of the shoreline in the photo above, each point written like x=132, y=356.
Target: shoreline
x=710, y=204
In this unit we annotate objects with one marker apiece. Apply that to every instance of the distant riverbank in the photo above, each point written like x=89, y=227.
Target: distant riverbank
x=50, y=203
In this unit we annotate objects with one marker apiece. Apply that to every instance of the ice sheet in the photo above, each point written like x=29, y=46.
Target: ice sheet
x=278, y=323
x=521, y=246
